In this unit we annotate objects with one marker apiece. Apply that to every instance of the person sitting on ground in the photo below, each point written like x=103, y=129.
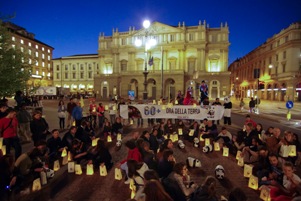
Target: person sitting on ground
x=165, y=166
x=117, y=126
x=196, y=130
x=274, y=142
x=69, y=137
x=167, y=144
x=210, y=130
x=8, y=180
x=268, y=133
x=181, y=126
x=83, y=135
x=237, y=194
x=238, y=142
x=259, y=130
x=100, y=155
x=134, y=154
x=154, y=191
x=79, y=152
x=168, y=127
x=154, y=141
x=249, y=134
x=224, y=137
x=148, y=155
x=55, y=146
x=107, y=130
x=289, y=140
x=207, y=191
x=250, y=153
x=182, y=178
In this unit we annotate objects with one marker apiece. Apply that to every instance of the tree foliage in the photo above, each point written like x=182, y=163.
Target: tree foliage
x=15, y=69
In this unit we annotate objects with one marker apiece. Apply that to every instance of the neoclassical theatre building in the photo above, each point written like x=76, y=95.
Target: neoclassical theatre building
x=181, y=57
x=271, y=71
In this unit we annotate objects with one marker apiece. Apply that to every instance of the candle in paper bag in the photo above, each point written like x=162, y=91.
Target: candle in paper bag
x=1, y=142
x=265, y=193
x=94, y=142
x=175, y=137
x=132, y=185
x=248, y=170
x=292, y=150
x=103, y=171
x=180, y=131
x=253, y=182
x=159, y=102
x=170, y=137
x=119, y=136
x=165, y=136
x=109, y=138
x=225, y=151
x=106, y=107
x=78, y=169
x=43, y=178
x=133, y=193
x=176, y=102
x=201, y=138
x=69, y=156
x=56, y=165
x=131, y=122
x=36, y=185
x=64, y=152
x=240, y=162
x=207, y=142
x=89, y=170
x=238, y=155
x=154, y=102
x=3, y=150
x=284, y=151
x=216, y=146
x=73, y=123
x=118, y=175
x=114, y=107
x=170, y=105
x=65, y=160
x=71, y=167
x=191, y=132
x=163, y=107
x=194, y=105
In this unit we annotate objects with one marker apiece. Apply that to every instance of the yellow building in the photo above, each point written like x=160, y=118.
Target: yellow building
x=39, y=53
x=271, y=71
x=182, y=57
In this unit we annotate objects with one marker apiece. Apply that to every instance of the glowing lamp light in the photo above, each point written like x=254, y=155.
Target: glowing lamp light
x=94, y=142
x=1, y=142
x=146, y=24
x=106, y=107
x=64, y=152
x=109, y=138
x=71, y=167
x=201, y=138
x=138, y=42
x=292, y=150
x=163, y=107
x=69, y=156
x=103, y=170
x=265, y=193
x=175, y=137
x=36, y=185
x=225, y=151
x=78, y=169
x=238, y=155
x=154, y=102
x=65, y=160
x=248, y=170
x=288, y=115
x=191, y=132
x=240, y=162
x=207, y=142
x=118, y=175
x=131, y=122
x=180, y=131
x=253, y=182
x=56, y=165
x=3, y=148
x=216, y=146
x=119, y=136
x=89, y=170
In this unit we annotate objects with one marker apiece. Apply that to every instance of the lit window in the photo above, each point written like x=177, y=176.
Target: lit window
x=30, y=61
x=37, y=72
x=29, y=52
x=48, y=74
x=29, y=44
x=43, y=56
x=37, y=63
x=43, y=73
x=22, y=49
x=13, y=38
x=43, y=64
x=172, y=37
x=48, y=50
x=48, y=57
x=48, y=65
x=13, y=46
x=37, y=54
x=43, y=48
x=37, y=47
x=22, y=41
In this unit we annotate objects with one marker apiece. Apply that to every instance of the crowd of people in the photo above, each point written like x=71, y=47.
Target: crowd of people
x=150, y=161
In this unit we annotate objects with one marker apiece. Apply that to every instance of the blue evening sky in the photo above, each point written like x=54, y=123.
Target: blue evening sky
x=73, y=26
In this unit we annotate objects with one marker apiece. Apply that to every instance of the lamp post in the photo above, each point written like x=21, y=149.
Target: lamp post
x=148, y=43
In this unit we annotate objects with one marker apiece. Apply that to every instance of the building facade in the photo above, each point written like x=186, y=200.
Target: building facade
x=272, y=71
x=75, y=74
x=182, y=57
x=39, y=54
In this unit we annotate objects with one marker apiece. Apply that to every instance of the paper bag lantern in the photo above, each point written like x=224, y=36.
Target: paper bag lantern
x=3, y=150
x=64, y=152
x=131, y=122
x=284, y=151
x=154, y=102
x=73, y=123
x=109, y=138
x=253, y=182
x=159, y=102
x=132, y=185
x=78, y=169
x=176, y=102
x=175, y=137
x=114, y=107
x=292, y=150
x=94, y=142
x=180, y=131
x=201, y=138
x=191, y=132
x=265, y=193
x=1, y=142
x=163, y=107
x=165, y=136
x=133, y=194
x=248, y=170
x=71, y=167
x=119, y=136
x=194, y=105
x=69, y=156
x=65, y=160
x=225, y=151
x=89, y=170
x=240, y=162
x=43, y=178
x=238, y=155
x=216, y=146
x=170, y=105
x=118, y=175
x=207, y=142
x=103, y=171
x=36, y=185
x=106, y=107
x=56, y=165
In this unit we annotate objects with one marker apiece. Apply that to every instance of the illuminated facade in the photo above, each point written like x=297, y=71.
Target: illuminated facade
x=182, y=58
x=39, y=53
x=278, y=63
x=75, y=73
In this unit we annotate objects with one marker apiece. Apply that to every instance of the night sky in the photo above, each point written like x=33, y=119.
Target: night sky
x=73, y=27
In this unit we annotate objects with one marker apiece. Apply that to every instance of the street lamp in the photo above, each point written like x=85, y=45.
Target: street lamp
x=148, y=43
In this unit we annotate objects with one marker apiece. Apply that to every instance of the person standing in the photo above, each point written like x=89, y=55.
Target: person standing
x=70, y=106
x=62, y=114
x=8, y=127
x=24, y=119
x=77, y=114
x=227, y=112
x=203, y=91
x=101, y=115
x=217, y=103
x=93, y=113
x=252, y=105
x=39, y=127
x=241, y=104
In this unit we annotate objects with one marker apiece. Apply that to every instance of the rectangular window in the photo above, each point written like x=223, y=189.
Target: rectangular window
x=90, y=75
x=81, y=75
x=22, y=41
x=29, y=52
x=37, y=47
x=29, y=61
x=73, y=67
x=172, y=37
x=283, y=68
x=97, y=67
x=29, y=44
x=73, y=75
x=57, y=75
x=278, y=43
x=66, y=67
x=43, y=73
x=284, y=55
x=37, y=63
x=191, y=37
x=276, y=57
x=13, y=46
x=48, y=65
x=37, y=54
x=13, y=38
x=123, y=41
x=22, y=49
x=43, y=64
x=57, y=67
x=66, y=75
x=271, y=46
x=37, y=72
x=43, y=48
x=48, y=57
x=48, y=50
x=82, y=67
x=286, y=39
x=43, y=56
x=90, y=67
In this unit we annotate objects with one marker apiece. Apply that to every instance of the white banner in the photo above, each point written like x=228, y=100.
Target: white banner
x=171, y=112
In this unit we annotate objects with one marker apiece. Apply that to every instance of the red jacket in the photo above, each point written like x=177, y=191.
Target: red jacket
x=133, y=154
x=10, y=126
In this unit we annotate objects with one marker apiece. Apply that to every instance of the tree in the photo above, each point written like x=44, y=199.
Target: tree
x=15, y=69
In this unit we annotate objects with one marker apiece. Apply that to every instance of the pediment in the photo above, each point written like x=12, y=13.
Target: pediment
x=158, y=28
